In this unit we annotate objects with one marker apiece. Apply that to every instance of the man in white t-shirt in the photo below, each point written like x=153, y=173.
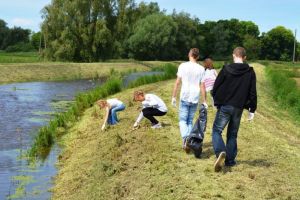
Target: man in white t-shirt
x=190, y=75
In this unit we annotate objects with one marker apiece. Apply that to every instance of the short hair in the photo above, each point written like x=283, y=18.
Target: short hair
x=138, y=93
x=194, y=52
x=239, y=52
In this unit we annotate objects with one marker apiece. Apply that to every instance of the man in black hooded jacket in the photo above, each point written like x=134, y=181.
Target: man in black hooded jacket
x=234, y=90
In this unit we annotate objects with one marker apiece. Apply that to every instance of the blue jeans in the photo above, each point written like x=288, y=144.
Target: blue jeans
x=186, y=115
x=230, y=115
x=112, y=116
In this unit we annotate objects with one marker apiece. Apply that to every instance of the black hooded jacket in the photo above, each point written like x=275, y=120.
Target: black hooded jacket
x=236, y=86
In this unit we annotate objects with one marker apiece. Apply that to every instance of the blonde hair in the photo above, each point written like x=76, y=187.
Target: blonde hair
x=102, y=103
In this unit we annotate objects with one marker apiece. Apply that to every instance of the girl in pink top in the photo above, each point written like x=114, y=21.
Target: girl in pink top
x=209, y=76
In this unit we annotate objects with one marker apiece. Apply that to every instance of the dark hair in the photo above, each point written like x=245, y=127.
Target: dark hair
x=194, y=52
x=210, y=62
x=240, y=52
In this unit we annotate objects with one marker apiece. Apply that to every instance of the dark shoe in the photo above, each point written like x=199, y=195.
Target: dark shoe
x=198, y=152
x=220, y=161
x=230, y=164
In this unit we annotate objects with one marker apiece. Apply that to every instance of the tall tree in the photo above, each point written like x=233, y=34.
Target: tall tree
x=188, y=34
x=3, y=33
x=80, y=30
x=16, y=35
x=277, y=44
x=154, y=38
x=252, y=46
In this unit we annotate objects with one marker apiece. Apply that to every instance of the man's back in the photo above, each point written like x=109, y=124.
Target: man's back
x=236, y=86
x=191, y=74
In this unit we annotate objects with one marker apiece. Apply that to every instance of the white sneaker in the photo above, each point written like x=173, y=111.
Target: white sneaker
x=220, y=161
x=158, y=125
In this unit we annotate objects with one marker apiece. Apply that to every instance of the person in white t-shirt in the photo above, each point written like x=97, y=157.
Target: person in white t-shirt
x=189, y=75
x=152, y=106
x=209, y=77
x=111, y=106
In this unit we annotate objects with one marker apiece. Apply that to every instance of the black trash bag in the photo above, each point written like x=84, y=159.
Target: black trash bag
x=196, y=137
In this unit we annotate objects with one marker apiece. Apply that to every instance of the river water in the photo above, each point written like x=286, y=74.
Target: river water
x=24, y=108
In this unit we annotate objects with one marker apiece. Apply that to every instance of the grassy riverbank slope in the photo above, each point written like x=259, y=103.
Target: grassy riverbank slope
x=49, y=71
x=148, y=164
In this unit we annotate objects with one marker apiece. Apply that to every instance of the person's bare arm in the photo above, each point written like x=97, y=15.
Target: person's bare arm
x=177, y=83
x=105, y=117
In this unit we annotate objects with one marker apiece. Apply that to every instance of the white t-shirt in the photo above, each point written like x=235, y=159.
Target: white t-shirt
x=151, y=100
x=114, y=102
x=209, y=79
x=191, y=75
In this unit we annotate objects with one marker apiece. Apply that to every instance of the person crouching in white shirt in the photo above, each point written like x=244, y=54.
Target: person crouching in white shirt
x=152, y=106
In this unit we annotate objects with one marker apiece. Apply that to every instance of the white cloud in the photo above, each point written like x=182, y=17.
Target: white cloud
x=22, y=22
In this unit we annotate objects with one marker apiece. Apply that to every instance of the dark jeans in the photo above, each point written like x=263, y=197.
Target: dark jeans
x=149, y=113
x=232, y=116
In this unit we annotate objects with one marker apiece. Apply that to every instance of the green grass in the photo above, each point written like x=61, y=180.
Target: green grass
x=19, y=57
x=284, y=87
x=147, y=164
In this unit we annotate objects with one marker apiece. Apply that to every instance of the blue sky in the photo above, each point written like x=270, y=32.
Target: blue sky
x=266, y=14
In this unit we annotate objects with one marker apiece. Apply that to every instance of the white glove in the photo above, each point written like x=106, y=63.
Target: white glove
x=205, y=105
x=103, y=127
x=250, y=116
x=173, y=102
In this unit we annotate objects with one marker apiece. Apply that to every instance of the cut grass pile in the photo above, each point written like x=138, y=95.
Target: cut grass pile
x=150, y=164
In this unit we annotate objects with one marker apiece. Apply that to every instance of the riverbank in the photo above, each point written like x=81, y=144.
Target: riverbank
x=49, y=71
x=148, y=164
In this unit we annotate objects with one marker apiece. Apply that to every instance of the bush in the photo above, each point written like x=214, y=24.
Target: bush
x=20, y=47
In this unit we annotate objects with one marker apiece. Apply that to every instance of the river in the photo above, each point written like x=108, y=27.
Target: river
x=24, y=108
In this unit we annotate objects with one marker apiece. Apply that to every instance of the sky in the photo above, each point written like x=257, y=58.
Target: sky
x=267, y=14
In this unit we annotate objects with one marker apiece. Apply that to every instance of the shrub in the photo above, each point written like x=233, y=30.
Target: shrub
x=20, y=47
x=285, y=88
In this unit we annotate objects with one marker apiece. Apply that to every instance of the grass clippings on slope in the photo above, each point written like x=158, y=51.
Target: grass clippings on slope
x=150, y=164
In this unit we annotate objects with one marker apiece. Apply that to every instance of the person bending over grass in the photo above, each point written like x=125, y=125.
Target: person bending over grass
x=190, y=75
x=234, y=90
x=111, y=106
x=152, y=106
x=210, y=76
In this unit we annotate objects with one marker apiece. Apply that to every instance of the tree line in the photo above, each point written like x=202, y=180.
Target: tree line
x=97, y=30
x=18, y=39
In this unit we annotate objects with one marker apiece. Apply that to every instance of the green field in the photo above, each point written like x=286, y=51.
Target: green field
x=19, y=57
x=148, y=164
